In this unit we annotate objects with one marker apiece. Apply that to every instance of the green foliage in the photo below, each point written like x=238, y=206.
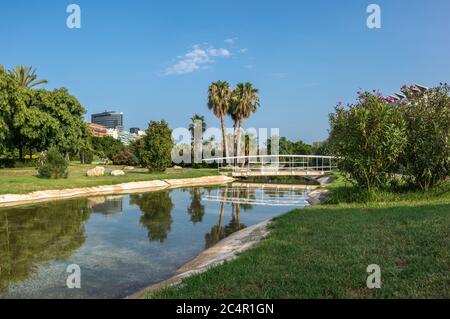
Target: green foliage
x=157, y=146
x=368, y=137
x=427, y=155
x=53, y=164
x=38, y=119
x=106, y=146
x=125, y=157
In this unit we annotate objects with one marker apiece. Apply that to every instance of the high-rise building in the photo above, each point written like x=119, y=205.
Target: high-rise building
x=110, y=120
x=135, y=130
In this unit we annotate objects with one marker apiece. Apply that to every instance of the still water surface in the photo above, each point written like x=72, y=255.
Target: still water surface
x=123, y=243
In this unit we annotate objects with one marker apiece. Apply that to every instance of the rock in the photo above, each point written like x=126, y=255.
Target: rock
x=128, y=168
x=177, y=167
x=117, y=172
x=97, y=171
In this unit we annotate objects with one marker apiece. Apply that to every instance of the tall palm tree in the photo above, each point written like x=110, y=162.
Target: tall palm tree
x=219, y=101
x=245, y=102
x=26, y=76
x=197, y=118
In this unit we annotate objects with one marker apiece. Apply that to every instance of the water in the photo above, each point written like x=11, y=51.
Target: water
x=123, y=243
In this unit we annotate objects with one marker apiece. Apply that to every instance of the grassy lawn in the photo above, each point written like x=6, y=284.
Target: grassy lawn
x=24, y=180
x=324, y=251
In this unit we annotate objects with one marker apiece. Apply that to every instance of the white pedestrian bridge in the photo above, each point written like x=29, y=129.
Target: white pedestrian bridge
x=308, y=166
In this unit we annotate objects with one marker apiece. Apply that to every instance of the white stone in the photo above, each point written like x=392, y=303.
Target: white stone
x=97, y=171
x=117, y=172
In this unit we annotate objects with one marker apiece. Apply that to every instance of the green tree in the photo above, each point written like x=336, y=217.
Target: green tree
x=369, y=138
x=26, y=76
x=219, y=101
x=106, y=146
x=245, y=101
x=52, y=164
x=72, y=130
x=427, y=155
x=156, y=152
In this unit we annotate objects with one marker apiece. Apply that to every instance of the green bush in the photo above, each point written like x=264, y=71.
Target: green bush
x=369, y=138
x=427, y=155
x=52, y=164
x=157, y=144
x=125, y=157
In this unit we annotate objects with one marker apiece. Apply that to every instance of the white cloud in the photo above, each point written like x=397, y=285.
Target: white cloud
x=195, y=59
x=244, y=50
x=219, y=53
x=230, y=40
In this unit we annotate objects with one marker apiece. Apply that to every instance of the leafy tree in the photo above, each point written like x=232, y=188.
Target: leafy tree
x=125, y=157
x=427, y=155
x=106, y=146
x=369, y=138
x=26, y=76
x=157, y=147
x=72, y=130
x=219, y=101
x=52, y=164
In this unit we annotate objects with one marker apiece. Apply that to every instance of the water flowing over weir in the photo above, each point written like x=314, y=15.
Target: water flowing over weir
x=124, y=243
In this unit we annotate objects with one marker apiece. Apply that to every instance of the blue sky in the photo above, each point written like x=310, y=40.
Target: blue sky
x=155, y=59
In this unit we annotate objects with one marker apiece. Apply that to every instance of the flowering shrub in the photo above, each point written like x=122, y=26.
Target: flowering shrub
x=427, y=155
x=369, y=137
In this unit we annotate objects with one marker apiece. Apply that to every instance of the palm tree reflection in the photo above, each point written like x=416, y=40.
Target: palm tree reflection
x=196, y=210
x=220, y=231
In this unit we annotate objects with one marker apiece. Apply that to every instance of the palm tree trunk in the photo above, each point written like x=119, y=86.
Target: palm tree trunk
x=224, y=136
x=239, y=137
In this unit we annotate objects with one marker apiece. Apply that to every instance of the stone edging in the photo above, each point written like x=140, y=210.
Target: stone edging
x=133, y=187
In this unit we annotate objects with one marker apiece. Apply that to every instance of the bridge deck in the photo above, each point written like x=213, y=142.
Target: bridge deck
x=303, y=173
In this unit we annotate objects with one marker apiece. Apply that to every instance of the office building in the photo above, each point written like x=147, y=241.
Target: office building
x=110, y=120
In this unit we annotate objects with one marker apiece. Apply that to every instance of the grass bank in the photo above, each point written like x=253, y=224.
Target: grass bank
x=24, y=180
x=324, y=251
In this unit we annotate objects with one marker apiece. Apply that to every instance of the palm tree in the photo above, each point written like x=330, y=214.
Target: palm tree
x=197, y=118
x=219, y=101
x=26, y=76
x=245, y=102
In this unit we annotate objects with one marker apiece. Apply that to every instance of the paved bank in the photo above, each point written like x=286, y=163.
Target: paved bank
x=133, y=187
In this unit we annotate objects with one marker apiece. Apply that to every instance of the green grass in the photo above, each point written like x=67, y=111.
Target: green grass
x=324, y=251
x=24, y=180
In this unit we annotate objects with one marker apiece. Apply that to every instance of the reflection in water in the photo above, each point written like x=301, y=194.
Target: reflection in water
x=218, y=231
x=156, y=208
x=106, y=205
x=40, y=234
x=196, y=210
x=105, y=237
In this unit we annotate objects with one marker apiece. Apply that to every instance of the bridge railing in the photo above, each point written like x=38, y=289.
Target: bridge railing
x=275, y=164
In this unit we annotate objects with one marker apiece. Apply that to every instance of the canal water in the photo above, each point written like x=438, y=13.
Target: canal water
x=124, y=243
